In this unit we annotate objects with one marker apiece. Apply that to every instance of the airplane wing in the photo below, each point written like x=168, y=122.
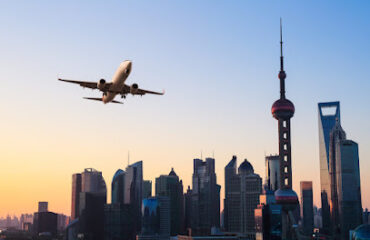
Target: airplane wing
x=100, y=99
x=92, y=85
x=127, y=89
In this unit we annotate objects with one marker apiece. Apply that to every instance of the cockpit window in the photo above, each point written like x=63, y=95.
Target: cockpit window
x=127, y=71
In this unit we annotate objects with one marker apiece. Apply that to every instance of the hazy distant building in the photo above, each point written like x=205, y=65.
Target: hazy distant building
x=133, y=192
x=272, y=165
x=205, y=198
x=156, y=219
x=62, y=222
x=171, y=186
x=26, y=221
x=329, y=113
x=43, y=207
x=307, y=207
x=147, y=189
x=241, y=197
x=118, y=187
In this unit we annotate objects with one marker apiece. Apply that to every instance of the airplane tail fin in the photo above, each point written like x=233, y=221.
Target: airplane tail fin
x=100, y=99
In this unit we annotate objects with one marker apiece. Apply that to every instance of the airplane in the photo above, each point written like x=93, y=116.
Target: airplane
x=117, y=86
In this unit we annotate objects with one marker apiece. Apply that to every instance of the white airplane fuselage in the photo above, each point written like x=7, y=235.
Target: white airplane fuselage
x=118, y=81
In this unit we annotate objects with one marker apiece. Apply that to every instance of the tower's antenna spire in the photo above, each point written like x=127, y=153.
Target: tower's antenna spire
x=281, y=47
x=282, y=74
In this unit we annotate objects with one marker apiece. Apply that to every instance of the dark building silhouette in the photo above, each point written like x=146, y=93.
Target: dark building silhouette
x=171, y=186
x=156, y=219
x=307, y=207
x=91, y=220
x=117, y=222
x=45, y=222
x=118, y=187
x=241, y=197
x=205, y=198
x=188, y=211
x=230, y=173
x=147, y=189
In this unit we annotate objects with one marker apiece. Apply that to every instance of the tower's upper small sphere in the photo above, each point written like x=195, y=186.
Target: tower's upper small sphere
x=287, y=198
x=282, y=108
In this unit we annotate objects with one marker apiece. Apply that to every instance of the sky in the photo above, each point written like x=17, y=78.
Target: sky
x=218, y=63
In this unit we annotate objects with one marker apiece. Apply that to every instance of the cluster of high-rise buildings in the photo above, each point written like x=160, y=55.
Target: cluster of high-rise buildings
x=253, y=209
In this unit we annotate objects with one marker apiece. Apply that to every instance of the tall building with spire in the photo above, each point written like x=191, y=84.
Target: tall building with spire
x=283, y=110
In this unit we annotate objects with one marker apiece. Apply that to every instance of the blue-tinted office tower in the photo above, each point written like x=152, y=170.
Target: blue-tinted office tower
x=329, y=114
x=118, y=187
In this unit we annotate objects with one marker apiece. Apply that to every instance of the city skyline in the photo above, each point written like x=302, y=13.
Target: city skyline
x=213, y=87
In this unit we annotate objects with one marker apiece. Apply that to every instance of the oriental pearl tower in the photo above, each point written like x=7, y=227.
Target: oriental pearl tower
x=283, y=111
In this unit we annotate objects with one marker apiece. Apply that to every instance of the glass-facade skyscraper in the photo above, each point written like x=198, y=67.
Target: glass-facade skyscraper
x=118, y=187
x=171, y=186
x=329, y=114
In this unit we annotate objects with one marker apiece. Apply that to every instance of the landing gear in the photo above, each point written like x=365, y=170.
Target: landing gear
x=123, y=96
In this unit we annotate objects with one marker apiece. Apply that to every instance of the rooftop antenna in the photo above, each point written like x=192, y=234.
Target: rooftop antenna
x=128, y=158
x=213, y=154
x=282, y=74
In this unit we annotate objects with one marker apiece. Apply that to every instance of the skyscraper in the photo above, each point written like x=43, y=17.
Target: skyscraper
x=307, y=207
x=76, y=189
x=205, y=197
x=242, y=197
x=147, y=189
x=170, y=186
x=346, y=198
x=328, y=114
x=156, y=219
x=230, y=182
x=43, y=206
x=118, y=187
x=283, y=110
x=272, y=165
x=89, y=194
x=133, y=191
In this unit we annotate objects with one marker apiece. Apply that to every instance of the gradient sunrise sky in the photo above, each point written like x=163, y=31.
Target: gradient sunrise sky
x=218, y=62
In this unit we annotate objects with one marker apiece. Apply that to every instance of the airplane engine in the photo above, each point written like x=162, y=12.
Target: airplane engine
x=134, y=87
x=101, y=84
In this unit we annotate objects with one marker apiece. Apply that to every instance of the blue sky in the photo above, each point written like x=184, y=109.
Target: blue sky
x=218, y=62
